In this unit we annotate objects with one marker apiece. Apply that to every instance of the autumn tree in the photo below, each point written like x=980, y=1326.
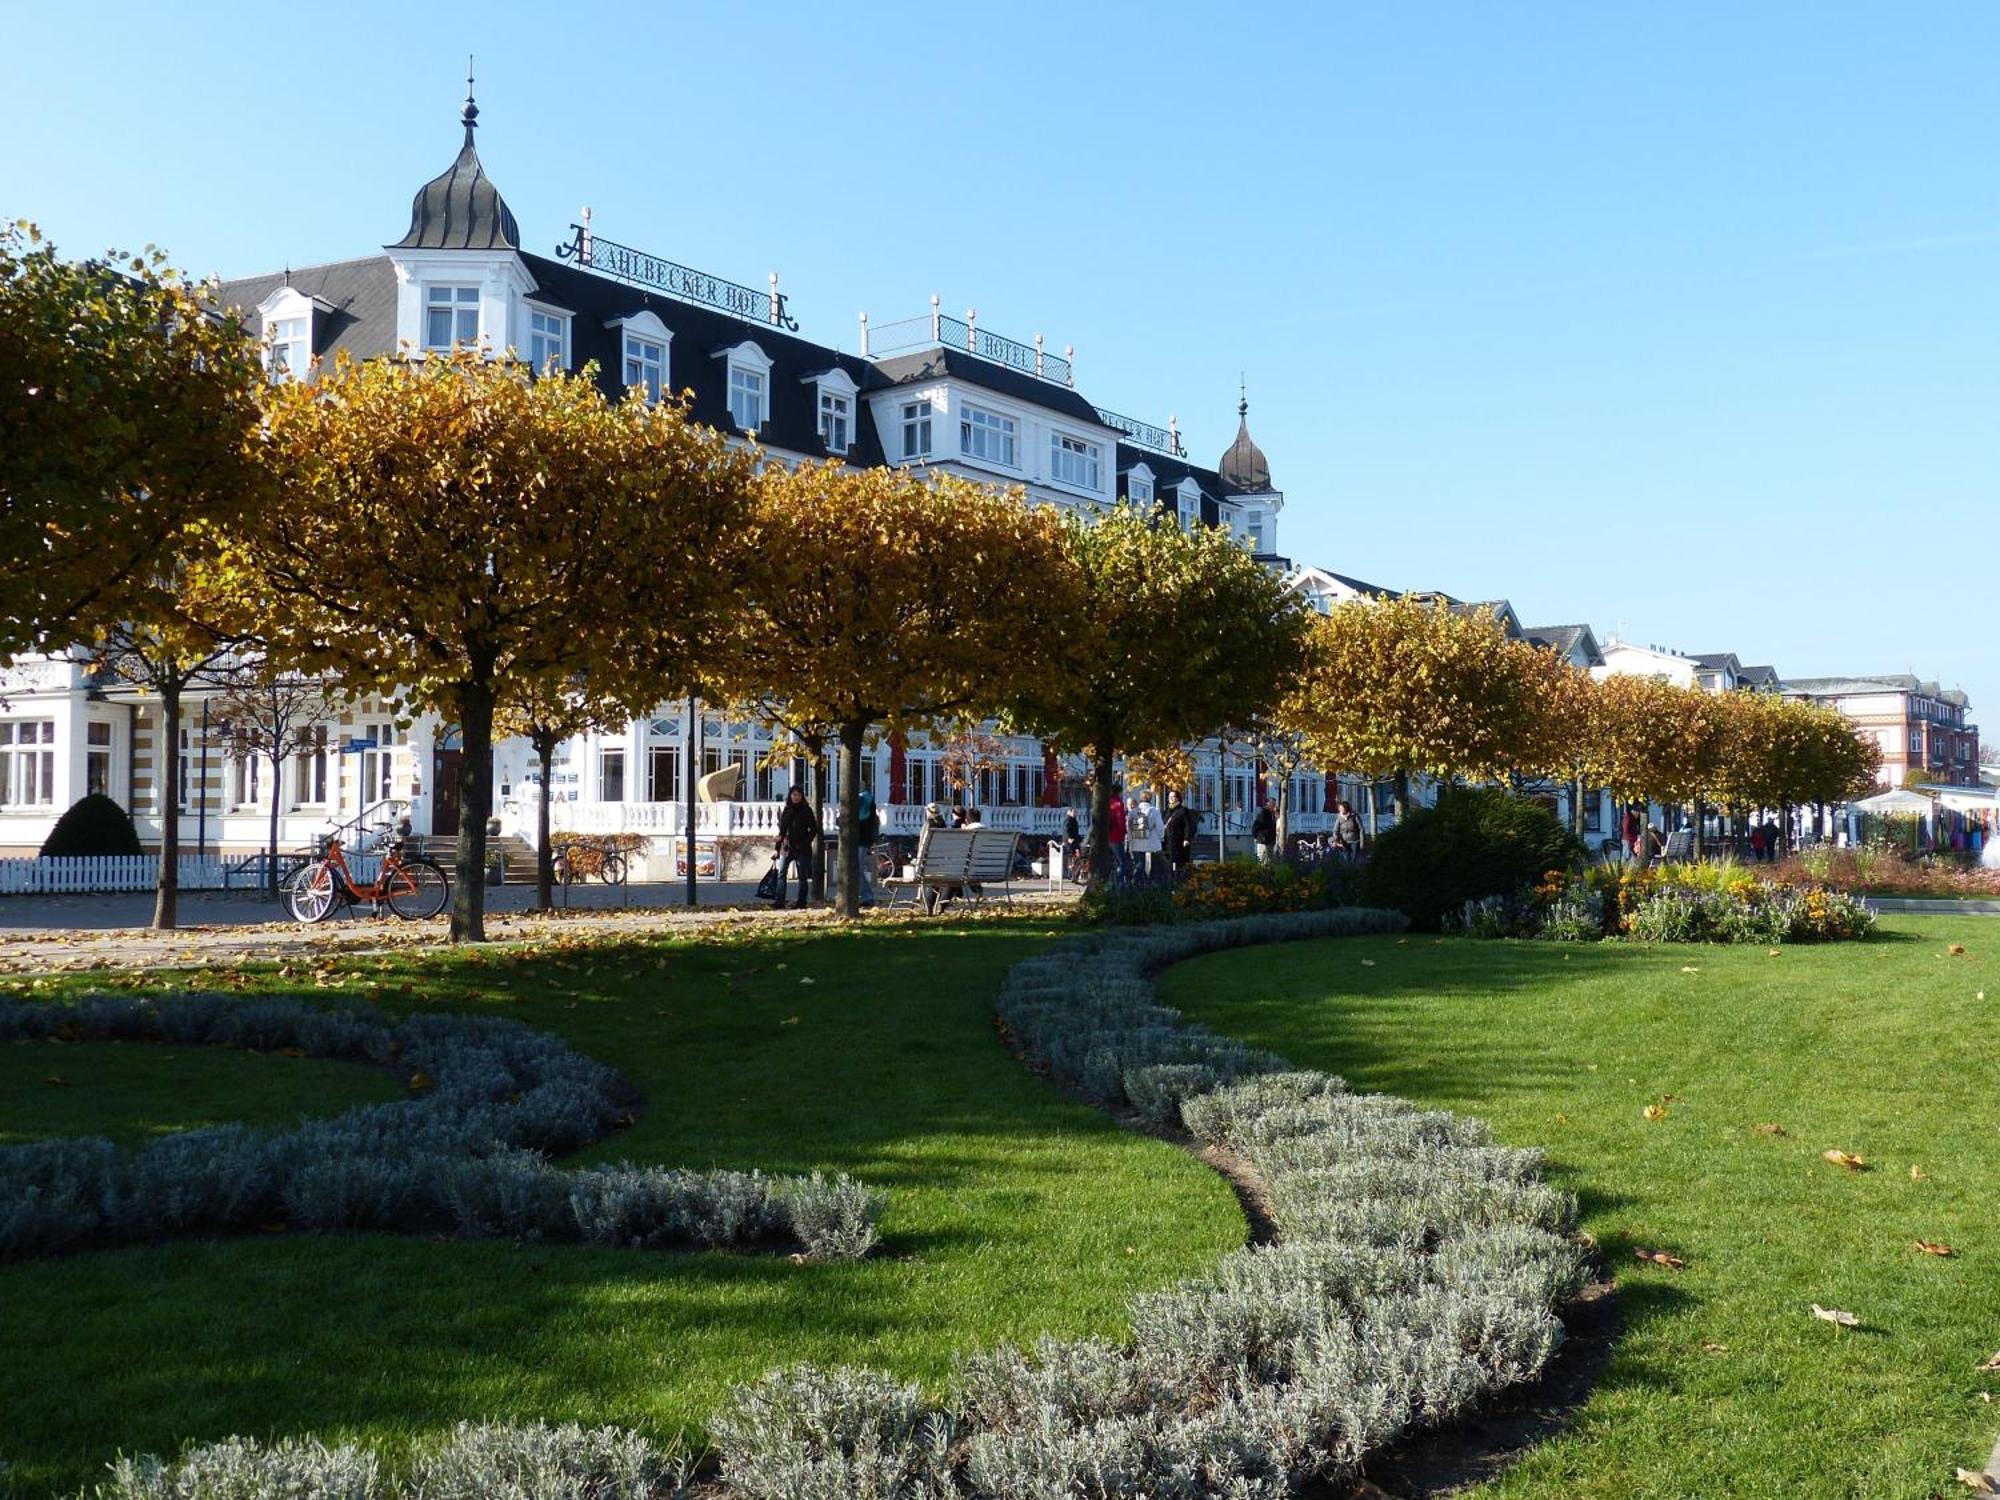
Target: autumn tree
x=267, y=712
x=163, y=655
x=125, y=402
x=889, y=601
x=459, y=532
x=1395, y=688
x=1167, y=636
x=1658, y=741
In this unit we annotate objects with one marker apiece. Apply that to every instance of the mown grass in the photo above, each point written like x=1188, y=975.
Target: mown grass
x=1722, y=1383
x=129, y=1092
x=1012, y=1213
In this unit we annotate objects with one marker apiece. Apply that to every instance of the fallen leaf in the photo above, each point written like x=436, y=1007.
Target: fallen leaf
x=789, y=1021
x=1772, y=952
x=1656, y=1111
x=1367, y=963
x=1956, y=950
x=1933, y=1247
x=1689, y=969
x=1714, y=1348
x=1659, y=1258
x=1771, y=1129
x=808, y=980
x=1835, y=1316
x=1917, y=1173
x=1845, y=1159
x=53, y=1081
x=1978, y=1482
x=1993, y=1363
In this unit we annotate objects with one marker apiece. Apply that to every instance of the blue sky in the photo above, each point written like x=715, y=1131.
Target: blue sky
x=1681, y=319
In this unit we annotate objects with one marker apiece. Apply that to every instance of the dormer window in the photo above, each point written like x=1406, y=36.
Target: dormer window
x=1253, y=531
x=548, y=339
x=288, y=354
x=746, y=397
x=1072, y=461
x=1187, y=503
x=646, y=365
x=833, y=403
x=451, y=317
x=749, y=385
x=836, y=418
x=1139, y=485
x=989, y=436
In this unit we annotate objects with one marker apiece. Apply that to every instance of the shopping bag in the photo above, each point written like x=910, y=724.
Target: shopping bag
x=767, y=888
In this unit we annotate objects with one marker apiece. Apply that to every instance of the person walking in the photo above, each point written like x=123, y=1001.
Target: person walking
x=1346, y=831
x=1179, y=835
x=867, y=828
x=796, y=832
x=1143, y=842
x=1072, y=840
x=1264, y=832
x=1114, y=831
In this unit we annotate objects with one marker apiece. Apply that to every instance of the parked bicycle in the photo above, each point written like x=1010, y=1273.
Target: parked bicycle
x=579, y=859
x=410, y=886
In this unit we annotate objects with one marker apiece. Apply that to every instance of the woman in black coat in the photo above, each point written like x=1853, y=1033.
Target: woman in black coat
x=796, y=832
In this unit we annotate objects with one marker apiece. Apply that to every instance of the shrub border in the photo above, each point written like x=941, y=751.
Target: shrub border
x=468, y=1152
x=1418, y=1271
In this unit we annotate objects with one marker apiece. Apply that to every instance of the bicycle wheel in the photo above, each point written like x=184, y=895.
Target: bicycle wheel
x=311, y=893
x=417, y=889
x=613, y=870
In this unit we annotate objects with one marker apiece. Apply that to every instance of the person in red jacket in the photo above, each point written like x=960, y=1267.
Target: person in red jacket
x=1114, y=830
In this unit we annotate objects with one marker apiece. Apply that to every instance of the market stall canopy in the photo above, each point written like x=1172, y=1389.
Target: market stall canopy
x=1898, y=801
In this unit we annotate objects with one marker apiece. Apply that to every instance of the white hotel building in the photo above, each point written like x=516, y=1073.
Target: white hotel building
x=933, y=390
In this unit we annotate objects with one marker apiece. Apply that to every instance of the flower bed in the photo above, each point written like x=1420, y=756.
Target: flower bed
x=1880, y=871
x=1220, y=891
x=1705, y=903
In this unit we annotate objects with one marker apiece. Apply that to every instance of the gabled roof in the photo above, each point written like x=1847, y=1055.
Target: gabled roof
x=1715, y=661
x=1576, y=643
x=1309, y=575
x=1019, y=385
x=461, y=209
x=1758, y=677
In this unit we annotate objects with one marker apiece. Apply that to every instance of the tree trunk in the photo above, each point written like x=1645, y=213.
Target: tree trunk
x=1401, y=795
x=1374, y=816
x=1284, y=830
x=1700, y=832
x=818, y=747
x=1576, y=807
x=167, y=888
x=545, y=856
x=475, y=805
x=1101, y=854
x=848, y=839
x=271, y=854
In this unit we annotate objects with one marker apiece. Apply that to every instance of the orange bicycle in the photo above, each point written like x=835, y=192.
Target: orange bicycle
x=412, y=888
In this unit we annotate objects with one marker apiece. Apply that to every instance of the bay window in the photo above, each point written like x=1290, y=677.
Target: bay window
x=451, y=317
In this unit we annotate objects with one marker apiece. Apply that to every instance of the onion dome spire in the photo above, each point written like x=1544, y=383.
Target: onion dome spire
x=461, y=209
x=1243, y=467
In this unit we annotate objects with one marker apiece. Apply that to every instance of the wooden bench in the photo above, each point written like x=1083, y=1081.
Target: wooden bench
x=968, y=862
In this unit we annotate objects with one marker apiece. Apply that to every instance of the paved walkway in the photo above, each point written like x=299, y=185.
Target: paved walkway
x=55, y=934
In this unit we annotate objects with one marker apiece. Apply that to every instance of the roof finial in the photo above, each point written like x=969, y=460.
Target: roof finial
x=1242, y=396
x=471, y=115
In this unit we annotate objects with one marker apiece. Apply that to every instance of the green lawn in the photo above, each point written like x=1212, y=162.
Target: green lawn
x=1723, y=1383
x=132, y=1091
x=1012, y=1212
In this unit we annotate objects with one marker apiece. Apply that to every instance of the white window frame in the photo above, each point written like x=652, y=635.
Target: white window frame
x=456, y=305
x=97, y=753
x=645, y=366
x=1253, y=531
x=246, y=778
x=28, y=763
x=1139, y=485
x=837, y=413
x=635, y=334
x=548, y=338
x=378, y=766
x=989, y=437
x=1187, y=503
x=1076, y=462
x=746, y=372
x=288, y=346
x=607, y=756
x=309, y=767
x=916, y=424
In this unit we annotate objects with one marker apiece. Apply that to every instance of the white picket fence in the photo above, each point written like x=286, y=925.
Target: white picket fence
x=105, y=872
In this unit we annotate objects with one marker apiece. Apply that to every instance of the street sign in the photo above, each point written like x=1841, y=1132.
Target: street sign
x=353, y=746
